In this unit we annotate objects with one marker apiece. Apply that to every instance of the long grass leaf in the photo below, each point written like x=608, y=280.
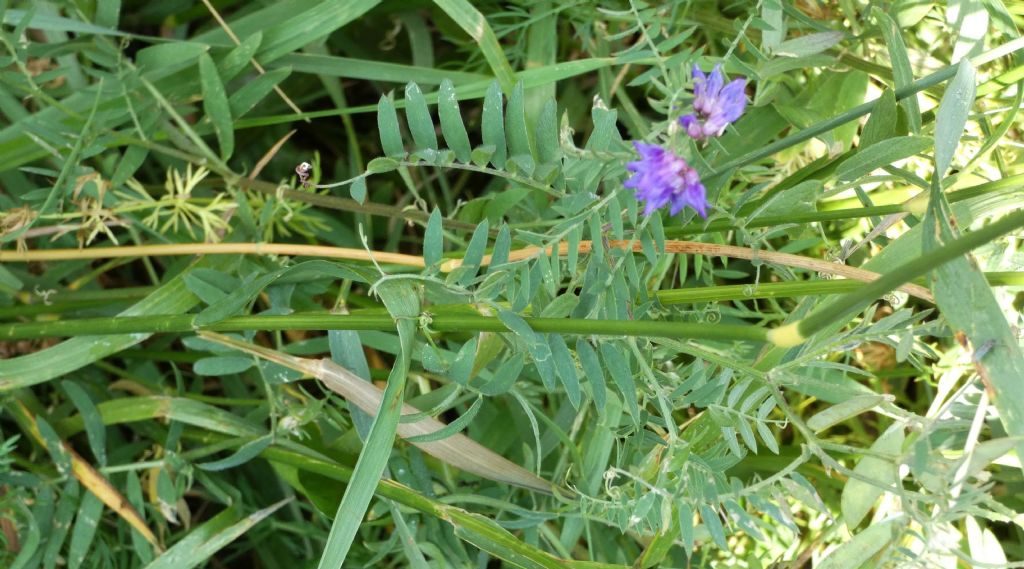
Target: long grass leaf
x=458, y=450
x=402, y=302
x=473, y=23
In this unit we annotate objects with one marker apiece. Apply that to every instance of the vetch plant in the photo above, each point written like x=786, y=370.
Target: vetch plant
x=502, y=338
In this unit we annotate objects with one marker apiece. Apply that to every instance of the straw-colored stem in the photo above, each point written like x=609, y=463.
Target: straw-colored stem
x=715, y=250
x=212, y=249
x=797, y=332
x=677, y=247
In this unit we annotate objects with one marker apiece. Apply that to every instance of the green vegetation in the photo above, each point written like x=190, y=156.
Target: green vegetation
x=369, y=283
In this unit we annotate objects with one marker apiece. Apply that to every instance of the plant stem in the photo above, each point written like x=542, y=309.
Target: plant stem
x=676, y=247
x=180, y=323
x=60, y=307
x=667, y=297
x=921, y=84
x=213, y=249
x=720, y=293
x=345, y=204
x=841, y=211
x=797, y=332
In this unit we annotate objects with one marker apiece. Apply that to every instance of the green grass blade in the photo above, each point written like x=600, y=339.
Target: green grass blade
x=243, y=100
x=541, y=51
x=215, y=104
x=86, y=523
x=239, y=58
x=952, y=115
x=171, y=298
x=94, y=428
x=402, y=303
x=308, y=24
x=489, y=536
x=881, y=154
x=209, y=538
x=368, y=70
x=530, y=78
x=901, y=69
x=473, y=23
x=966, y=301
x=865, y=545
x=859, y=497
x=881, y=124
x=62, y=522
x=453, y=428
x=245, y=453
x=845, y=410
x=259, y=20
x=51, y=23
x=125, y=410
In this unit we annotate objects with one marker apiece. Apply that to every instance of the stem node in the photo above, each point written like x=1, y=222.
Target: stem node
x=786, y=336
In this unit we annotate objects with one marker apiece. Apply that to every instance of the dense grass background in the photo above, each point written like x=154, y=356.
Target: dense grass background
x=629, y=405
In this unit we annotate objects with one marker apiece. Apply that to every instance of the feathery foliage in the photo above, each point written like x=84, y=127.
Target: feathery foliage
x=362, y=283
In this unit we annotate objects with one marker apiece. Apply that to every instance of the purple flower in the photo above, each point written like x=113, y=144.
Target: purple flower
x=660, y=177
x=716, y=106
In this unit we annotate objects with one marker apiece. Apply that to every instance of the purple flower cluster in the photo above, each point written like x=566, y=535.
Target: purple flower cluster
x=717, y=105
x=661, y=177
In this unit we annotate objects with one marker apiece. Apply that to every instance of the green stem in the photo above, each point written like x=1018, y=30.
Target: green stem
x=854, y=301
x=356, y=321
x=774, y=220
x=838, y=214
x=483, y=170
x=669, y=297
x=345, y=204
x=59, y=307
x=921, y=84
x=721, y=293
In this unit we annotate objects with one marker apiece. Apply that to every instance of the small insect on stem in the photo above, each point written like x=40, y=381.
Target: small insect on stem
x=303, y=171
